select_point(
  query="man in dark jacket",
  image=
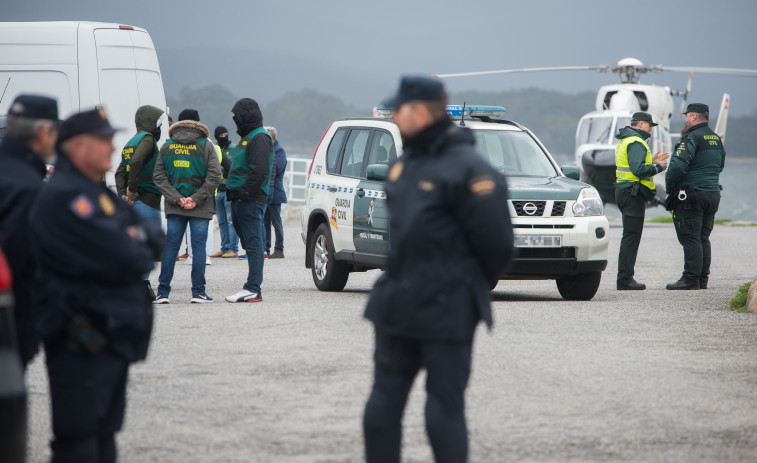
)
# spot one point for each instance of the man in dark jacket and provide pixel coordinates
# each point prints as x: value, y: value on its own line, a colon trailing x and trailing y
x: 94, y: 249
x: 693, y: 185
x: 31, y: 132
x: 450, y: 238
x: 247, y: 188
x: 134, y: 181
x: 635, y: 168
x: 277, y: 197
x: 187, y: 173
x: 229, y: 238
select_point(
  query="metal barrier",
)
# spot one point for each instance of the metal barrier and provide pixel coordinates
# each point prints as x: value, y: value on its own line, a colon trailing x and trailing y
x: 295, y: 183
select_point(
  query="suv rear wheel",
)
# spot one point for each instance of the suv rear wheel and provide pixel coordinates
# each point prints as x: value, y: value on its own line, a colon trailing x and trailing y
x: 328, y: 274
x: 581, y: 287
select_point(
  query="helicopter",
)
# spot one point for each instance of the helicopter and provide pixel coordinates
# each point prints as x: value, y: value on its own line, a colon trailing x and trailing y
x: 614, y: 106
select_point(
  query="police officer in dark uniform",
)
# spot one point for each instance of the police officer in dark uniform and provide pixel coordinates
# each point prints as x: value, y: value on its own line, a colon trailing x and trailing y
x: 31, y: 132
x: 635, y: 168
x: 94, y: 249
x: 450, y: 239
x: 693, y: 186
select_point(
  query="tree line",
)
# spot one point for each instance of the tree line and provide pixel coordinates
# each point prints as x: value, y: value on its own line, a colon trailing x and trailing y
x: 302, y: 116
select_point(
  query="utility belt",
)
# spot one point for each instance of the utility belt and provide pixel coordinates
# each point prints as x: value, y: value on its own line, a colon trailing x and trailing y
x: 637, y: 188
x: 686, y: 196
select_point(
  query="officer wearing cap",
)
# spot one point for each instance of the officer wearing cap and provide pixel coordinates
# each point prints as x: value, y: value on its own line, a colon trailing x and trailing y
x: 450, y: 239
x: 29, y: 142
x: 94, y: 249
x: 635, y: 168
x: 693, y: 186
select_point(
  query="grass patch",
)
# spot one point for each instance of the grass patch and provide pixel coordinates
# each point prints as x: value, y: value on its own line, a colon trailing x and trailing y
x: 661, y: 219
x: 738, y: 303
x: 722, y: 221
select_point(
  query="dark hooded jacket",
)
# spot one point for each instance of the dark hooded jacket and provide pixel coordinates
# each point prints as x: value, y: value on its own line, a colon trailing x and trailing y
x: 450, y: 238
x: 146, y: 120
x: 248, y: 117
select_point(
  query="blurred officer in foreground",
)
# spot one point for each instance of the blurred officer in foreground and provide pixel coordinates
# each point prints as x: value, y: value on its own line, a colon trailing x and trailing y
x: 94, y: 249
x: 29, y: 142
x: 450, y: 238
x: 693, y: 186
x: 134, y: 174
x: 635, y: 168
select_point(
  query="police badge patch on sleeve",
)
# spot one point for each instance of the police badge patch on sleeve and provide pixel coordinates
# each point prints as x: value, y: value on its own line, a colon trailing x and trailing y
x: 483, y: 185
x: 82, y: 207
x: 106, y: 205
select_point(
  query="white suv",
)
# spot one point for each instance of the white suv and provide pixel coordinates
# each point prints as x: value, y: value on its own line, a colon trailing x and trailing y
x: 560, y: 229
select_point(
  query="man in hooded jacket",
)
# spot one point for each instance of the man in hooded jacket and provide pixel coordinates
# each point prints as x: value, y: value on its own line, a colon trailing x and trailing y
x: 187, y: 172
x: 134, y: 181
x: 247, y: 188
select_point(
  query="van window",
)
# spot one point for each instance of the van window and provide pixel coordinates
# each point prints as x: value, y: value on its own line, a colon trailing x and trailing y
x: 382, y: 149
x: 54, y: 84
x: 354, y: 153
x: 332, y: 155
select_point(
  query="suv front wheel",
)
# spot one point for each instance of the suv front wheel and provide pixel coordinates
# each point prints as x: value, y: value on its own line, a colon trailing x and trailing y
x: 581, y: 287
x: 328, y: 274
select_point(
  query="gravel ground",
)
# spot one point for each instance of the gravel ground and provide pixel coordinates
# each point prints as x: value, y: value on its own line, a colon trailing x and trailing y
x: 642, y: 376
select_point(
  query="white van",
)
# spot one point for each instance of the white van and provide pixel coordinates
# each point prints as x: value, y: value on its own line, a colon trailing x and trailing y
x: 83, y: 65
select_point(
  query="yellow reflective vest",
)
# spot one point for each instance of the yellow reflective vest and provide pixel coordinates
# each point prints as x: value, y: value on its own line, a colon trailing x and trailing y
x: 622, y: 169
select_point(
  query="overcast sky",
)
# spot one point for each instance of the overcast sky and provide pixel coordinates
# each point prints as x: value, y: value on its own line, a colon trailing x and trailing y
x: 368, y: 45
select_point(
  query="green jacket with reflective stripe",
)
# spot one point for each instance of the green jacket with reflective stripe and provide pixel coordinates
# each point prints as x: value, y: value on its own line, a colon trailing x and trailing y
x: 240, y: 166
x: 145, y: 176
x: 633, y: 159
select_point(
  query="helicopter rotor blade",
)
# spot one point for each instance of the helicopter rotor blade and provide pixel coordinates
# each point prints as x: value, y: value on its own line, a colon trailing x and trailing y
x: 510, y: 71
x: 731, y: 71
x: 686, y: 94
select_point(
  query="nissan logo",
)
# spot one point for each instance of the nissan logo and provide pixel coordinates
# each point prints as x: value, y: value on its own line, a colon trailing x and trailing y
x: 530, y: 208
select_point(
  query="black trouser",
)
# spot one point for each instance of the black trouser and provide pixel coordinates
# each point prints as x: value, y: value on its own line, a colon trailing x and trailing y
x: 632, y: 208
x: 693, y: 221
x: 398, y: 361
x: 88, y: 396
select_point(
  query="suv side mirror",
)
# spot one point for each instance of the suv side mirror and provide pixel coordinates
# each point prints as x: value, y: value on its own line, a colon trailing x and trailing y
x: 571, y: 172
x: 377, y: 172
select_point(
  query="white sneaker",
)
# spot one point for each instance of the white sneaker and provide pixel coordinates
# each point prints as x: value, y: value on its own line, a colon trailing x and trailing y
x: 208, y: 261
x: 160, y: 299
x: 244, y: 296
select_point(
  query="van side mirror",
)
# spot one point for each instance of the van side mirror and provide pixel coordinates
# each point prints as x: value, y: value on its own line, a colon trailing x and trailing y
x: 377, y: 172
x: 571, y: 172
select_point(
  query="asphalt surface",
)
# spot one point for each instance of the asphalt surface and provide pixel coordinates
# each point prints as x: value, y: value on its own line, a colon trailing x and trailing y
x: 629, y: 376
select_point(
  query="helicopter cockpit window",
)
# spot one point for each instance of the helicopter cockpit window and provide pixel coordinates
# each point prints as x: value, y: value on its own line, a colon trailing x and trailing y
x: 595, y: 130
x: 514, y: 153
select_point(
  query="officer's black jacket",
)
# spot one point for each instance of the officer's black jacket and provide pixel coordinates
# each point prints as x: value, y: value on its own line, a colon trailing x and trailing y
x: 259, y: 149
x: 22, y: 172
x: 450, y: 237
x: 95, y: 267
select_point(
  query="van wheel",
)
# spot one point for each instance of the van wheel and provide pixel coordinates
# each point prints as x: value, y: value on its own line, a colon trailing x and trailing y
x: 328, y: 274
x: 581, y: 287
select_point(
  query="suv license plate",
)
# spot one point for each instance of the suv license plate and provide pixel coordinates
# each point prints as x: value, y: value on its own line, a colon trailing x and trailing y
x: 538, y: 241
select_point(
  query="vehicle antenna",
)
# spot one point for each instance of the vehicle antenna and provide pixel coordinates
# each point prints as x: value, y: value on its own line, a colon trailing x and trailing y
x: 462, y: 116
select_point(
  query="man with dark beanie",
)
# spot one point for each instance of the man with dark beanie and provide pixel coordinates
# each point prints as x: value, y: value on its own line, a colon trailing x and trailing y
x: 247, y: 189
x: 229, y: 237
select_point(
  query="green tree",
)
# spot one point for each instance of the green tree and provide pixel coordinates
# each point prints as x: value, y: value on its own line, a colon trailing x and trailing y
x: 213, y: 102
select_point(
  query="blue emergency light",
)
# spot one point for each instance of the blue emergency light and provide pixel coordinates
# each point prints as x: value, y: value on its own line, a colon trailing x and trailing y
x: 456, y: 111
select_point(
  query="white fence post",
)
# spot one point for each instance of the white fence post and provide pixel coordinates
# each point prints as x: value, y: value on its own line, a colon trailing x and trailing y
x: 295, y: 183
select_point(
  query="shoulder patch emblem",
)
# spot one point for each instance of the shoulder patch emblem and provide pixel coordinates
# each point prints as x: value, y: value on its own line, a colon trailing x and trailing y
x: 82, y: 207
x: 106, y: 204
x: 244, y: 142
x: 483, y: 185
x: 396, y: 171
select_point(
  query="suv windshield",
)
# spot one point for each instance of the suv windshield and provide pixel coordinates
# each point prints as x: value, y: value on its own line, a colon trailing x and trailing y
x: 514, y: 153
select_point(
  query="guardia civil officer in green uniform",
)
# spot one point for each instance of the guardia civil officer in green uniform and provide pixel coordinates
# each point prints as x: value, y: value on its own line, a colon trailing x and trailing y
x: 635, y: 168
x: 693, y: 186
x: 134, y: 181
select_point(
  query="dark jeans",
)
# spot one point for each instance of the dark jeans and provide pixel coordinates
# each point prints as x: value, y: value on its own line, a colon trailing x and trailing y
x: 273, y: 217
x: 632, y: 208
x: 248, y: 222
x: 88, y: 398
x: 176, y: 225
x: 693, y: 221
x: 229, y: 239
x: 397, y: 362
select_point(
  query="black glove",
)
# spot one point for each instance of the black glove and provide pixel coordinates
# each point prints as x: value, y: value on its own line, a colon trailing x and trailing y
x: 232, y: 195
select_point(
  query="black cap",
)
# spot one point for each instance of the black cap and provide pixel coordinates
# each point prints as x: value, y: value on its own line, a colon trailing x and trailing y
x: 219, y: 130
x: 700, y: 108
x: 417, y: 88
x: 34, y: 106
x: 189, y: 115
x: 643, y: 117
x: 92, y: 122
